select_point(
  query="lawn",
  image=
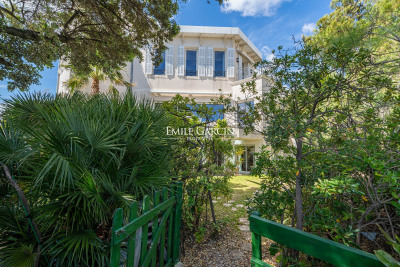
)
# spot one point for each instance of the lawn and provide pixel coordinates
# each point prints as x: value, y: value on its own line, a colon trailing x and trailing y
x: 243, y: 187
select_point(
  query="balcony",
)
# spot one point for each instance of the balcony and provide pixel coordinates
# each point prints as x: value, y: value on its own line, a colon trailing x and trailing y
x: 159, y: 71
x: 219, y: 73
x: 244, y: 73
x: 191, y: 72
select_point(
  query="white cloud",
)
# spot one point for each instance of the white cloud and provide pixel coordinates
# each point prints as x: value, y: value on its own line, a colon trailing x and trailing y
x: 3, y: 86
x: 308, y: 28
x: 266, y: 51
x: 252, y: 7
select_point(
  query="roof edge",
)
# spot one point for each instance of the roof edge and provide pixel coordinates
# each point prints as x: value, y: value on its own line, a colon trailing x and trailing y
x: 220, y: 30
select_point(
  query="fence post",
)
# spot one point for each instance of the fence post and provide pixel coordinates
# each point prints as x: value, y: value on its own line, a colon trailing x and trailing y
x: 116, y: 248
x: 255, y: 242
x: 177, y: 222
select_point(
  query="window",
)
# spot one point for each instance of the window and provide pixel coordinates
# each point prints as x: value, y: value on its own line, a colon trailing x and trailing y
x: 217, y: 113
x: 243, y: 109
x: 246, y: 159
x: 160, y: 69
x: 219, y: 68
x: 191, y: 63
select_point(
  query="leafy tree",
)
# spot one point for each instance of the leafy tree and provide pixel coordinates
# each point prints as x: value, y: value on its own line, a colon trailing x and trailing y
x: 85, y: 33
x: 310, y: 112
x: 202, y: 161
x: 368, y: 24
x: 330, y: 120
x: 76, y: 158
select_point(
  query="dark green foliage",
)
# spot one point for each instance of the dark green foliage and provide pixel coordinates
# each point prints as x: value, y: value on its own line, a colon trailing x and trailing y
x: 330, y: 120
x: 78, y: 158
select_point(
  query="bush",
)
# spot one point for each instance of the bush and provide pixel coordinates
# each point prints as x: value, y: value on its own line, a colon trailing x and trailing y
x: 77, y: 158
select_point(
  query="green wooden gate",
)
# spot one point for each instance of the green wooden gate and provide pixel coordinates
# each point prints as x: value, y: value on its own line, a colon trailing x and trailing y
x: 313, y: 245
x: 131, y: 244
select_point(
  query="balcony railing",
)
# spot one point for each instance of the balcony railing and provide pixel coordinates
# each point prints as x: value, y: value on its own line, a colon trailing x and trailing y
x: 219, y: 73
x: 159, y: 71
x: 244, y: 73
x: 191, y: 72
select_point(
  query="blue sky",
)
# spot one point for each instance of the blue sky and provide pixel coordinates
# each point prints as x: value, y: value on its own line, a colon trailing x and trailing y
x: 267, y: 23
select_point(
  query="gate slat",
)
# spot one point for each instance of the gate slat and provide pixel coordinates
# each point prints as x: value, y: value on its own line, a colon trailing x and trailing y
x: 162, y: 243
x: 154, y: 229
x: 145, y: 230
x: 157, y: 236
x: 116, y: 247
x: 177, y: 223
x: 133, y: 209
x: 142, y: 220
x: 164, y: 246
x: 169, y: 241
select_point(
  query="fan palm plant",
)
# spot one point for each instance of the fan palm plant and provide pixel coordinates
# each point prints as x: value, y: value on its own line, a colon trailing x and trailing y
x: 78, y: 158
x: 97, y: 74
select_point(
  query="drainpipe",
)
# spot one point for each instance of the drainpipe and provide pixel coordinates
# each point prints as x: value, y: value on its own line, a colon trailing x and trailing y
x: 131, y: 77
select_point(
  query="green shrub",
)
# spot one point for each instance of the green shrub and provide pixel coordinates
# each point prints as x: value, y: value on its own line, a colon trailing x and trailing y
x: 78, y: 158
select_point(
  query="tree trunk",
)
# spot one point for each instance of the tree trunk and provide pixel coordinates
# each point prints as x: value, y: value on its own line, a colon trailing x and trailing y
x: 211, y: 207
x: 26, y: 205
x: 298, y: 197
x: 299, y: 204
x: 95, y: 86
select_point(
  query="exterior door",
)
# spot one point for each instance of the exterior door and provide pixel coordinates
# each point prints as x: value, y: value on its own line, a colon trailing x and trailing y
x: 247, y: 159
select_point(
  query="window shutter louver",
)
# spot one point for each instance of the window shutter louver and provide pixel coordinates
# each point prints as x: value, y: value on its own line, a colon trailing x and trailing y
x: 169, y: 60
x: 230, y: 63
x: 210, y: 62
x: 181, y: 61
x: 202, y: 61
x: 148, y: 68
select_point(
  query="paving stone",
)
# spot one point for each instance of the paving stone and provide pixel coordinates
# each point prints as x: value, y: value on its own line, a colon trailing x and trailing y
x: 245, y: 228
x: 214, y: 201
x: 246, y: 246
x: 239, y: 206
x: 237, y: 255
x: 231, y: 201
x: 226, y: 204
x: 218, y: 197
x: 234, y: 209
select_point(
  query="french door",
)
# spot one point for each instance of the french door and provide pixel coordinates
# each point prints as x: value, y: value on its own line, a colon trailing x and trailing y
x: 247, y: 159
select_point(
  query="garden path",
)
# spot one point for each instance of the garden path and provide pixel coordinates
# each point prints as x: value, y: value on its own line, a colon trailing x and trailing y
x: 232, y: 245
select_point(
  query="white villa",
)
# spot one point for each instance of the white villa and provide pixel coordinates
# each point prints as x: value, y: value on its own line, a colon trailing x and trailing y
x: 199, y: 62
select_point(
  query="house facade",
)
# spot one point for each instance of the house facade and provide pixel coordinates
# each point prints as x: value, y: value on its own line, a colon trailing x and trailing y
x: 201, y: 62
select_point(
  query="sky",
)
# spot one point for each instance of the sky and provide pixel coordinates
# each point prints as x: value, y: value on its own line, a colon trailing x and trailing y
x: 267, y: 23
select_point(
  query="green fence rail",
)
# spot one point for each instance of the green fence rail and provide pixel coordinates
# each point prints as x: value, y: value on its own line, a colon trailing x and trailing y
x: 133, y: 244
x: 313, y: 245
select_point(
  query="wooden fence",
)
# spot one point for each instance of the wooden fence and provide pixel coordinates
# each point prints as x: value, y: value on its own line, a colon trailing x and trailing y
x: 151, y: 238
x: 313, y: 245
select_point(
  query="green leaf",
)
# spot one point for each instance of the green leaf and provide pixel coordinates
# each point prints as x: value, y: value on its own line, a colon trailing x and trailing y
x: 274, y: 249
x: 386, y: 259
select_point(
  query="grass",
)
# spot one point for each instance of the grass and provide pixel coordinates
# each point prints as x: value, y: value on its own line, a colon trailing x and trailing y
x: 243, y: 187
x: 224, y: 245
